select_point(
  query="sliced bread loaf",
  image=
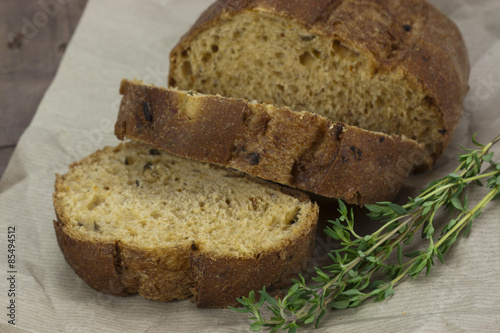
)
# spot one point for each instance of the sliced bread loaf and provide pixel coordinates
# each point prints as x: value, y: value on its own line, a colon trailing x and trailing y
x: 398, y: 67
x: 298, y: 149
x: 132, y: 219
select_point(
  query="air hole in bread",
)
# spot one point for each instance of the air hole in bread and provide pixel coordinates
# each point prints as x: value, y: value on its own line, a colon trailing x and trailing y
x: 306, y: 59
x: 96, y: 200
x: 206, y: 57
x: 185, y: 53
x: 379, y: 102
x: 186, y: 69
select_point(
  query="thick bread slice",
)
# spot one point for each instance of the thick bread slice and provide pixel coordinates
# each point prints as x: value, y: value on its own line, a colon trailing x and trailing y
x: 298, y: 149
x: 398, y: 67
x: 132, y: 219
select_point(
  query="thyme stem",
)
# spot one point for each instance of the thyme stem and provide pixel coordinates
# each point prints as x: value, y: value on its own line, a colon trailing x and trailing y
x: 348, y: 282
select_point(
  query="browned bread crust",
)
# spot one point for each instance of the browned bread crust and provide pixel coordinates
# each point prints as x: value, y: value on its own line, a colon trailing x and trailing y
x: 208, y: 280
x: 112, y: 265
x: 408, y: 37
x: 298, y: 149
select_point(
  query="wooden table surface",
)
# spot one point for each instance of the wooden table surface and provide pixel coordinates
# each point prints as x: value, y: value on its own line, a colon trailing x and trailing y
x: 34, y: 38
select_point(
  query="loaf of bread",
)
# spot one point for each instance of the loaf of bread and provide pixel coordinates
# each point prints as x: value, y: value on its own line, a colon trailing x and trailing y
x: 297, y: 149
x: 132, y: 219
x: 398, y: 67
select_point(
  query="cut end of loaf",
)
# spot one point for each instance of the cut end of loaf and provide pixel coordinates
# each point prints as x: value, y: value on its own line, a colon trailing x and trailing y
x: 337, y: 70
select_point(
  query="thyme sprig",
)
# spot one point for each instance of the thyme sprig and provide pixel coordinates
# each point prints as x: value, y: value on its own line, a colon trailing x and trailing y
x: 370, y: 266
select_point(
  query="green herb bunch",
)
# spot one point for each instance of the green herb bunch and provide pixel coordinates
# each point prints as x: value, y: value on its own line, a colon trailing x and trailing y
x: 361, y: 268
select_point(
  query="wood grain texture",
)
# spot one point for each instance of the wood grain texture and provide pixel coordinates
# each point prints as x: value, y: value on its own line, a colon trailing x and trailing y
x: 35, y: 35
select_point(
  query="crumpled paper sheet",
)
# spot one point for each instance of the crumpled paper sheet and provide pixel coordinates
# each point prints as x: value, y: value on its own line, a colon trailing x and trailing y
x: 132, y: 38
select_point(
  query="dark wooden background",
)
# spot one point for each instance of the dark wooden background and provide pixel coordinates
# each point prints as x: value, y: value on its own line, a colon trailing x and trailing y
x: 33, y: 40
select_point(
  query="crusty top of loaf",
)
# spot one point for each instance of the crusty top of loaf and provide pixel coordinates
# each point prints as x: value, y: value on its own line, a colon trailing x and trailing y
x: 409, y: 36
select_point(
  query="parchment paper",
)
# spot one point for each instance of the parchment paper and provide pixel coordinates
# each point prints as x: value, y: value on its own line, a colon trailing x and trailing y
x: 132, y: 38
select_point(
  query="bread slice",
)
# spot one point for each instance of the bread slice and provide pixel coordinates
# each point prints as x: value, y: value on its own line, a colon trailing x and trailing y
x: 297, y: 149
x: 132, y: 219
x: 398, y: 67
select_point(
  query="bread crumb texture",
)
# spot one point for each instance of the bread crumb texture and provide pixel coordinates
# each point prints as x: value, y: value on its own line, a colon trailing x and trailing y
x: 348, y: 68
x: 149, y: 199
x: 304, y: 72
